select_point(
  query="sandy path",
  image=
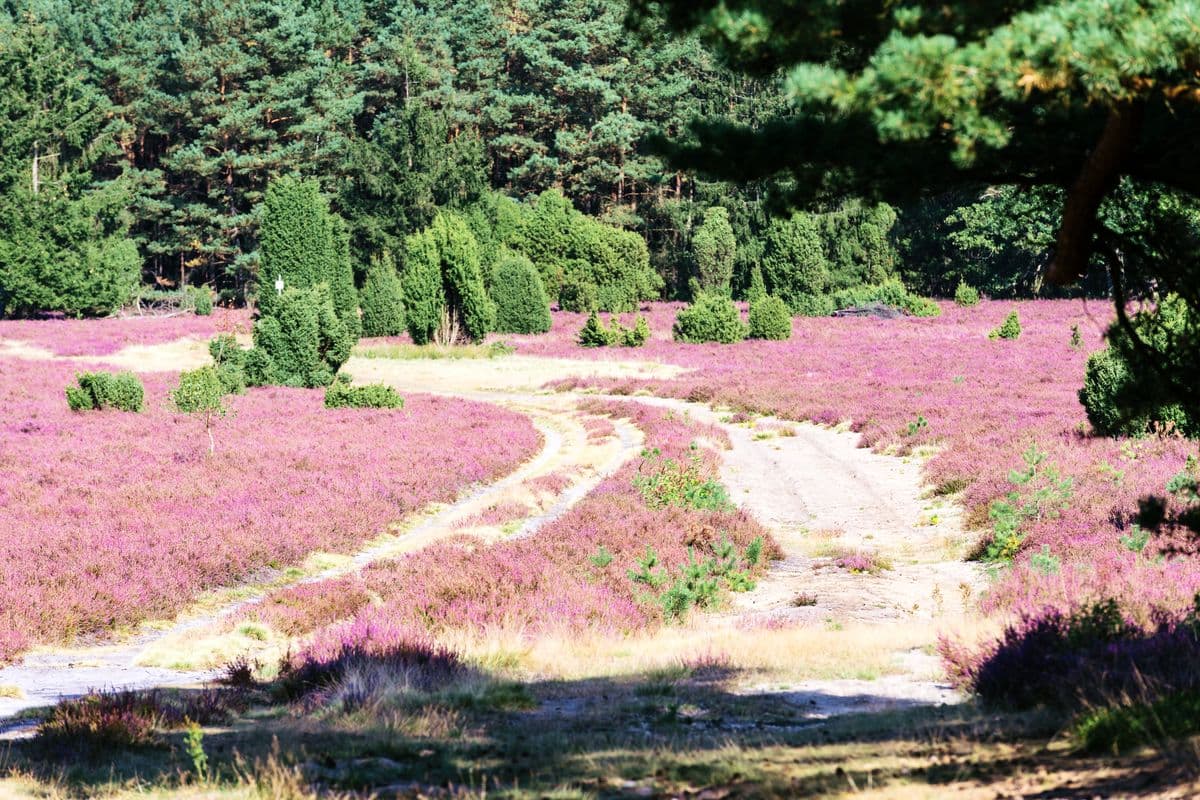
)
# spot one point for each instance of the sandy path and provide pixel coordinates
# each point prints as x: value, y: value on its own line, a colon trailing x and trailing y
x: 816, y: 490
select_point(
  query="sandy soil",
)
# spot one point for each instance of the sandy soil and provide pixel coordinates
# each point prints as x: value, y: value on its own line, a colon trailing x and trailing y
x: 818, y: 492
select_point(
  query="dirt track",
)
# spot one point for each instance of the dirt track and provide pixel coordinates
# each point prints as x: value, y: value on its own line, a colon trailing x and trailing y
x: 819, y: 493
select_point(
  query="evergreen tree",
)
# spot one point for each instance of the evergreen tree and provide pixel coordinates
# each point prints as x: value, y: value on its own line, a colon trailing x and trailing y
x: 341, y: 278
x: 382, y: 298
x: 519, y: 296
x: 298, y: 248
x: 794, y: 265
x: 424, y: 296
x: 1070, y: 93
x: 715, y: 249
x: 467, y: 302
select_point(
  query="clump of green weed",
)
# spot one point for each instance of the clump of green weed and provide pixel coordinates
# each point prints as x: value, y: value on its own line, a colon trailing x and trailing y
x: 666, y: 482
x: 1039, y: 492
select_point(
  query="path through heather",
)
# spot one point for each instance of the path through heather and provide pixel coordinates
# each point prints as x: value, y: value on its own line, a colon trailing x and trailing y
x: 822, y: 497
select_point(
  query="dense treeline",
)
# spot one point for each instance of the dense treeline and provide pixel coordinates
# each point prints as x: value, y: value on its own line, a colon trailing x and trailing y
x: 139, y: 141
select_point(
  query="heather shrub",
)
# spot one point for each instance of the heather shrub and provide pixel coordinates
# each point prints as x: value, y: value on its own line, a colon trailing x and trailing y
x: 99, y: 390
x: 302, y: 343
x: 343, y: 395
x: 522, y: 305
x: 711, y: 318
x: 382, y: 298
x: 355, y: 661
x: 105, y: 720
x: 1009, y: 329
x: 1088, y: 657
x: 770, y: 318
x: 966, y: 295
x: 1124, y: 391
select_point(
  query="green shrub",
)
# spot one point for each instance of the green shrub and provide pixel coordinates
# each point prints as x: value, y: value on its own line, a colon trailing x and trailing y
x: 341, y: 279
x: 892, y: 293
x: 1009, y: 329
x: 966, y: 295
x: 200, y: 392
x: 1123, y: 392
x: 522, y: 305
x: 202, y: 301
x: 666, y: 482
x: 302, y: 343
x: 595, y: 334
x: 466, y: 299
x: 1174, y: 716
x: 343, y: 395
x: 770, y: 318
x: 68, y: 254
x: 813, y: 305
x: 382, y: 298
x: 565, y: 244
x: 424, y: 297
x: 578, y: 293
x: 296, y: 236
x: 638, y: 335
x: 757, y: 288
x: 714, y: 248
x: 98, y: 390
x: 794, y: 263
x: 711, y: 318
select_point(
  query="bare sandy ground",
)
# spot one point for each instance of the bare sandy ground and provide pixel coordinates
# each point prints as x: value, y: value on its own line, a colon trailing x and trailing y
x: 818, y: 492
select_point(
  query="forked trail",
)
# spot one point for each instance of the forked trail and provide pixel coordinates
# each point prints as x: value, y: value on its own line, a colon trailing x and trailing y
x: 822, y: 497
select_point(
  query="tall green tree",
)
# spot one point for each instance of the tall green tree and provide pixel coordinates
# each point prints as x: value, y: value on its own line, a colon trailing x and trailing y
x: 715, y: 249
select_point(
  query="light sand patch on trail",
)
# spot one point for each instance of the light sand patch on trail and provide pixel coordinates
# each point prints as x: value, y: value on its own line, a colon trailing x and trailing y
x: 181, y: 354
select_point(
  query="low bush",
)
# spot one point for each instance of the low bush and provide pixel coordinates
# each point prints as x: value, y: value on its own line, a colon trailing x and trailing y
x: 1127, y: 725
x: 1124, y: 392
x: 382, y: 299
x: 595, y: 333
x: 1080, y: 659
x: 302, y: 343
x: 891, y: 293
x: 98, y: 390
x: 814, y: 305
x: 200, y: 392
x: 697, y: 583
x: 522, y: 305
x: 125, y: 719
x: 668, y: 482
x: 229, y: 358
x: 770, y: 318
x: 1039, y: 492
x: 578, y: 294
x: 966, y: 295
x: 1009, y: 329
x: 202, y: 300
x: 343, y: 395
x: 711, y: 318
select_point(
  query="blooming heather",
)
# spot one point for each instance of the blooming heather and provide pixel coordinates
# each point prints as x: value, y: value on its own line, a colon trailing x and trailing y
x: 107, y: 519
x: 101, y: 337
x: 547, y: 582
x: 983, y: 403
